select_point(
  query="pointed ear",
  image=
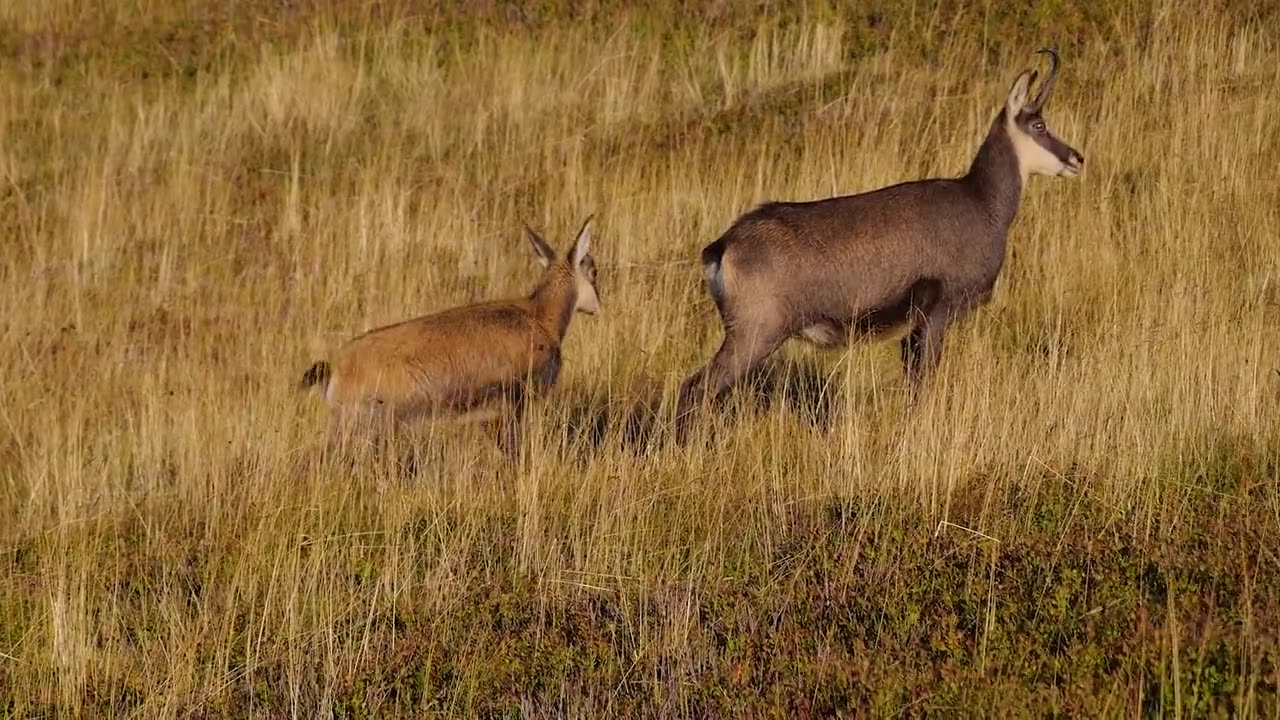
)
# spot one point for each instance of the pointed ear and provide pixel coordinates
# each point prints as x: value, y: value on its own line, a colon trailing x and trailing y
x: 1018, y: 93
x: 546, y: 255
x: 582, y: 245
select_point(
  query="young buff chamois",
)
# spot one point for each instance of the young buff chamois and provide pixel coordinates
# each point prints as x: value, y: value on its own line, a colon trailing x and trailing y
x: 479, y: 360
x: 914, y: 256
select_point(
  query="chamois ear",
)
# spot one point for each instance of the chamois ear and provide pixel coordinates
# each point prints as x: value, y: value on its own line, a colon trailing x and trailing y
x: 546, y: 255
x: 1018, y: 93
x: 582, y: 245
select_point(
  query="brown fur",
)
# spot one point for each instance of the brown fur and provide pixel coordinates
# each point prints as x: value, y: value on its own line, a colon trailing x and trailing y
x: 911, y: 257
x: 476, y: 361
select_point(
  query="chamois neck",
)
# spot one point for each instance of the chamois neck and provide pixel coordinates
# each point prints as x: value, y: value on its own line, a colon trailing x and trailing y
x: 554, y: 300
x: 995, y: 174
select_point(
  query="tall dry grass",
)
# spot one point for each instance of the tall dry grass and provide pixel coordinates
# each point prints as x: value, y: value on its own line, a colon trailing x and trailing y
x: 179, y: 248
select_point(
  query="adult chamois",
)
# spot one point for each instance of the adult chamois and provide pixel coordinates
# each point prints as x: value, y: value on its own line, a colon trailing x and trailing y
x: 480, y: 361
x: 914, y: 256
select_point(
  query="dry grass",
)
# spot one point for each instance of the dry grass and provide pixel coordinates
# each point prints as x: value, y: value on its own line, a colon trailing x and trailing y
x: 1096, y: 469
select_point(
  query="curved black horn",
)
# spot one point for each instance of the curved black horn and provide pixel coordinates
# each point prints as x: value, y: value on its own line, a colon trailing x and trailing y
x: 1047, y: 87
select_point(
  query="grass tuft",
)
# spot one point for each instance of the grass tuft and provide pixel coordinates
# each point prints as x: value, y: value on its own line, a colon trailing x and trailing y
x: 198, y: 200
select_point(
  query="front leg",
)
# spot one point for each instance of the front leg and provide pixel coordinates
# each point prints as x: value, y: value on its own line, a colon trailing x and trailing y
x: 511, y: 425
x: 922, y: 350
x: 548, y: 372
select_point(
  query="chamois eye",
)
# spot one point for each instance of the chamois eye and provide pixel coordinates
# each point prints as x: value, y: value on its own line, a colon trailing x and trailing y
x: 1038, y: 126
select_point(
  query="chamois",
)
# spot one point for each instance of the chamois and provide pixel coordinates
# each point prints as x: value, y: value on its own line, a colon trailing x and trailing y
x: 914, y: 256
x: 477, y: 361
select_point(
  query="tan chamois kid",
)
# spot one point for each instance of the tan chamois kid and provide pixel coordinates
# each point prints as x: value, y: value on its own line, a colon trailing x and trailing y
x: 480, y: 361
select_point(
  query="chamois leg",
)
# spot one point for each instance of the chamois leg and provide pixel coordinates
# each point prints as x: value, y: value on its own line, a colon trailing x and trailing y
x: 349, y: 428
x: 739, y: 353
x: 511, y: 426
x: 356, y: 434
x: 922, y: 351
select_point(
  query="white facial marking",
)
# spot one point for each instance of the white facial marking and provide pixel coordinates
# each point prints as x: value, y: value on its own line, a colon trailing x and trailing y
x: 1033, y: 158
x: 588, y: 300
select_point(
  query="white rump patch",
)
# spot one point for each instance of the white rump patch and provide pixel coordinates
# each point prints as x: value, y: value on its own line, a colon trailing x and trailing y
x: 715, y: 281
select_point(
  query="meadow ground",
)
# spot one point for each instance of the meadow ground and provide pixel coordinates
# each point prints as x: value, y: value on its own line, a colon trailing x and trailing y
x: 198, y: 199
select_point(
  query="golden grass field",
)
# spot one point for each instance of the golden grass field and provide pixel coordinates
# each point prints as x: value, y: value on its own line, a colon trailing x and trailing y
x: 1083, y: 517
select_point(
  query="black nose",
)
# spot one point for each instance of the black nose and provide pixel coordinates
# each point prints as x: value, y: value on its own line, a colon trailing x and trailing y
x: 1079, y: 157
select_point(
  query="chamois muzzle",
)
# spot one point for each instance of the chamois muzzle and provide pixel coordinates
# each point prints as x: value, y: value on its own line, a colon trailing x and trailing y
x: 1074, y: 164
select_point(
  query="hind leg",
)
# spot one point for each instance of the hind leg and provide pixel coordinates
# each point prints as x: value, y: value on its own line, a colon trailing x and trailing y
x: 343, y: 431
x: 740, y: 352
x: 358, y: 427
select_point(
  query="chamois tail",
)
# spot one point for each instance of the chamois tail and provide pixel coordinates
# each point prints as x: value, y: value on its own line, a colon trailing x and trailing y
x: 711, y: 265
x: 317, y: 374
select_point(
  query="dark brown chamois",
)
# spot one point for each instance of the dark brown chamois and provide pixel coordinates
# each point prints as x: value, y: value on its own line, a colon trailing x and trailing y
x: 914, y: 256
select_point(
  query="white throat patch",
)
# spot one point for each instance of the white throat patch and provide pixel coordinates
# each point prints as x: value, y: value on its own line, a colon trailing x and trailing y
x: 1033, y: 158
x: 588, y: 299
